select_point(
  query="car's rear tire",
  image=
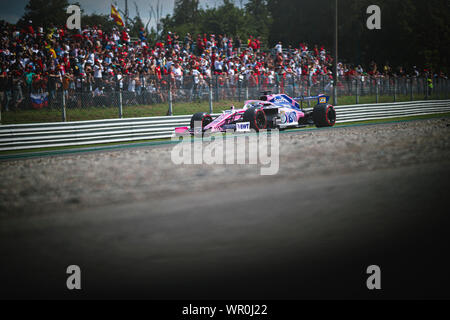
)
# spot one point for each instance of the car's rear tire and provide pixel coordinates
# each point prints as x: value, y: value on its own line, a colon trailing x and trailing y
x: 257, y: 118
x: 324, y: 116
x: 202, y: 117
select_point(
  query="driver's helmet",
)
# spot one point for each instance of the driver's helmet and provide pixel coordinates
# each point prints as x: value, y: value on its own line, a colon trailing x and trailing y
x: 249, y: 105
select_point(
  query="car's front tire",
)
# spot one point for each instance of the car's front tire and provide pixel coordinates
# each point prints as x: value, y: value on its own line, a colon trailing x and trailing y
x: 257, y: 118
x: 202, y: 117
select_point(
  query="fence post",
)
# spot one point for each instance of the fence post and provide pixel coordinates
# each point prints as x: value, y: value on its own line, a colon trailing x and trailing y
x: 335, y: 92
x: 293, y: 86
x: 376, y: 91
x: 417, y: 87
x: 446, y: 89
x: 411, y: 89
x: 246, y: 89
x: 440, y: 88
x: 170, y: 99
x: 239, y: 89
x: 64, y: 117
x: 217, y: 88
x: 434, y: 92
x: 436, y: 85
x: 395, y: 90
x: 210, y: 99
x: 443, y: 88
x: 309, y: 95
x: 120, y: 104
x: 357, y: 94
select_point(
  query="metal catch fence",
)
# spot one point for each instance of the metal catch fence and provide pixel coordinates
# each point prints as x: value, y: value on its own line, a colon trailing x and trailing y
x: 85, y: 98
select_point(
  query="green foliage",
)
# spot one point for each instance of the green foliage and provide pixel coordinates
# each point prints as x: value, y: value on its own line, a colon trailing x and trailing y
x: 432, y: 33
x: 185, y: 11
x: 45, y: 12
x: 258, y: 18
x: 227, y: 18
x: 136, y: 26
x: 97, y: 20
x: 413, y: 32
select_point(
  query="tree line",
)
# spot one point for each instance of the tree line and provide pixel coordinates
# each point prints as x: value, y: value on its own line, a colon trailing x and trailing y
x: 413, y: 32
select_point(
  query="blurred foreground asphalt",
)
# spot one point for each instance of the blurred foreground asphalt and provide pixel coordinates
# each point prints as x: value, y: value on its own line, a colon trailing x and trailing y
x: 308, y: 237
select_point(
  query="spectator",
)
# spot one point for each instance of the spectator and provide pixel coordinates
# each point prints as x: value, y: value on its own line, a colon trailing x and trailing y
x: 279, y: 48
x: 98, y: 74
x: 92, y: 62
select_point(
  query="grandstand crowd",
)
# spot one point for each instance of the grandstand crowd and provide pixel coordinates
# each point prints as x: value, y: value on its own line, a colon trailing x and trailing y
x: 93, y: 62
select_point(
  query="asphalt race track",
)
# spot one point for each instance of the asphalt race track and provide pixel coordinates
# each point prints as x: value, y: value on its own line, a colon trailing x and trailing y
x: 141, y: 227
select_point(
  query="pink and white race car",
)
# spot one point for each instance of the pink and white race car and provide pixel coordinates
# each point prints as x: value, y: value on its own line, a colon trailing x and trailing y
x: 277, y: 111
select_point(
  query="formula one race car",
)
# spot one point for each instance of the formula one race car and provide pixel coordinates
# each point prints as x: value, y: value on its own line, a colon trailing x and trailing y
x: 277, y: 111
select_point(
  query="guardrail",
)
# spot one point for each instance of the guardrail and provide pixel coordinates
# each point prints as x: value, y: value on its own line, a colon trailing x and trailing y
x: 42, y: 135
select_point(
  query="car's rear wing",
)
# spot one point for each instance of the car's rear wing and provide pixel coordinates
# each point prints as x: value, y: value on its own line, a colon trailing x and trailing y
x: 321, y: 99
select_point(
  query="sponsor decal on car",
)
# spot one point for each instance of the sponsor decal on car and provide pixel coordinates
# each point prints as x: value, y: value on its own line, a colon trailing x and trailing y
x: 288, y: 117
x: 243, y: 127
x: 292, y: 117
x: 280, y: 99
x: 283, y: 117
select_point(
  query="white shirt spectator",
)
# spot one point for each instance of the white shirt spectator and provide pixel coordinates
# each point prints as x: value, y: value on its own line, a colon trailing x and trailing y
x: 196, y: 75
x: 120, y: 80
x: 116, y: 36
x: 178, y: 73
x: 98, y: 69
x: 279, y: 48
x: 91, y: 58
x: 132, y: 85
x: 98, y: 92
x: 231, y: 74
x: 218, y: 65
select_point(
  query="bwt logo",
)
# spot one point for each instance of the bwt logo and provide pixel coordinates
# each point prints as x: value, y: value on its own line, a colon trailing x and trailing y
x: 74, y: 21
x: 243, y: 127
